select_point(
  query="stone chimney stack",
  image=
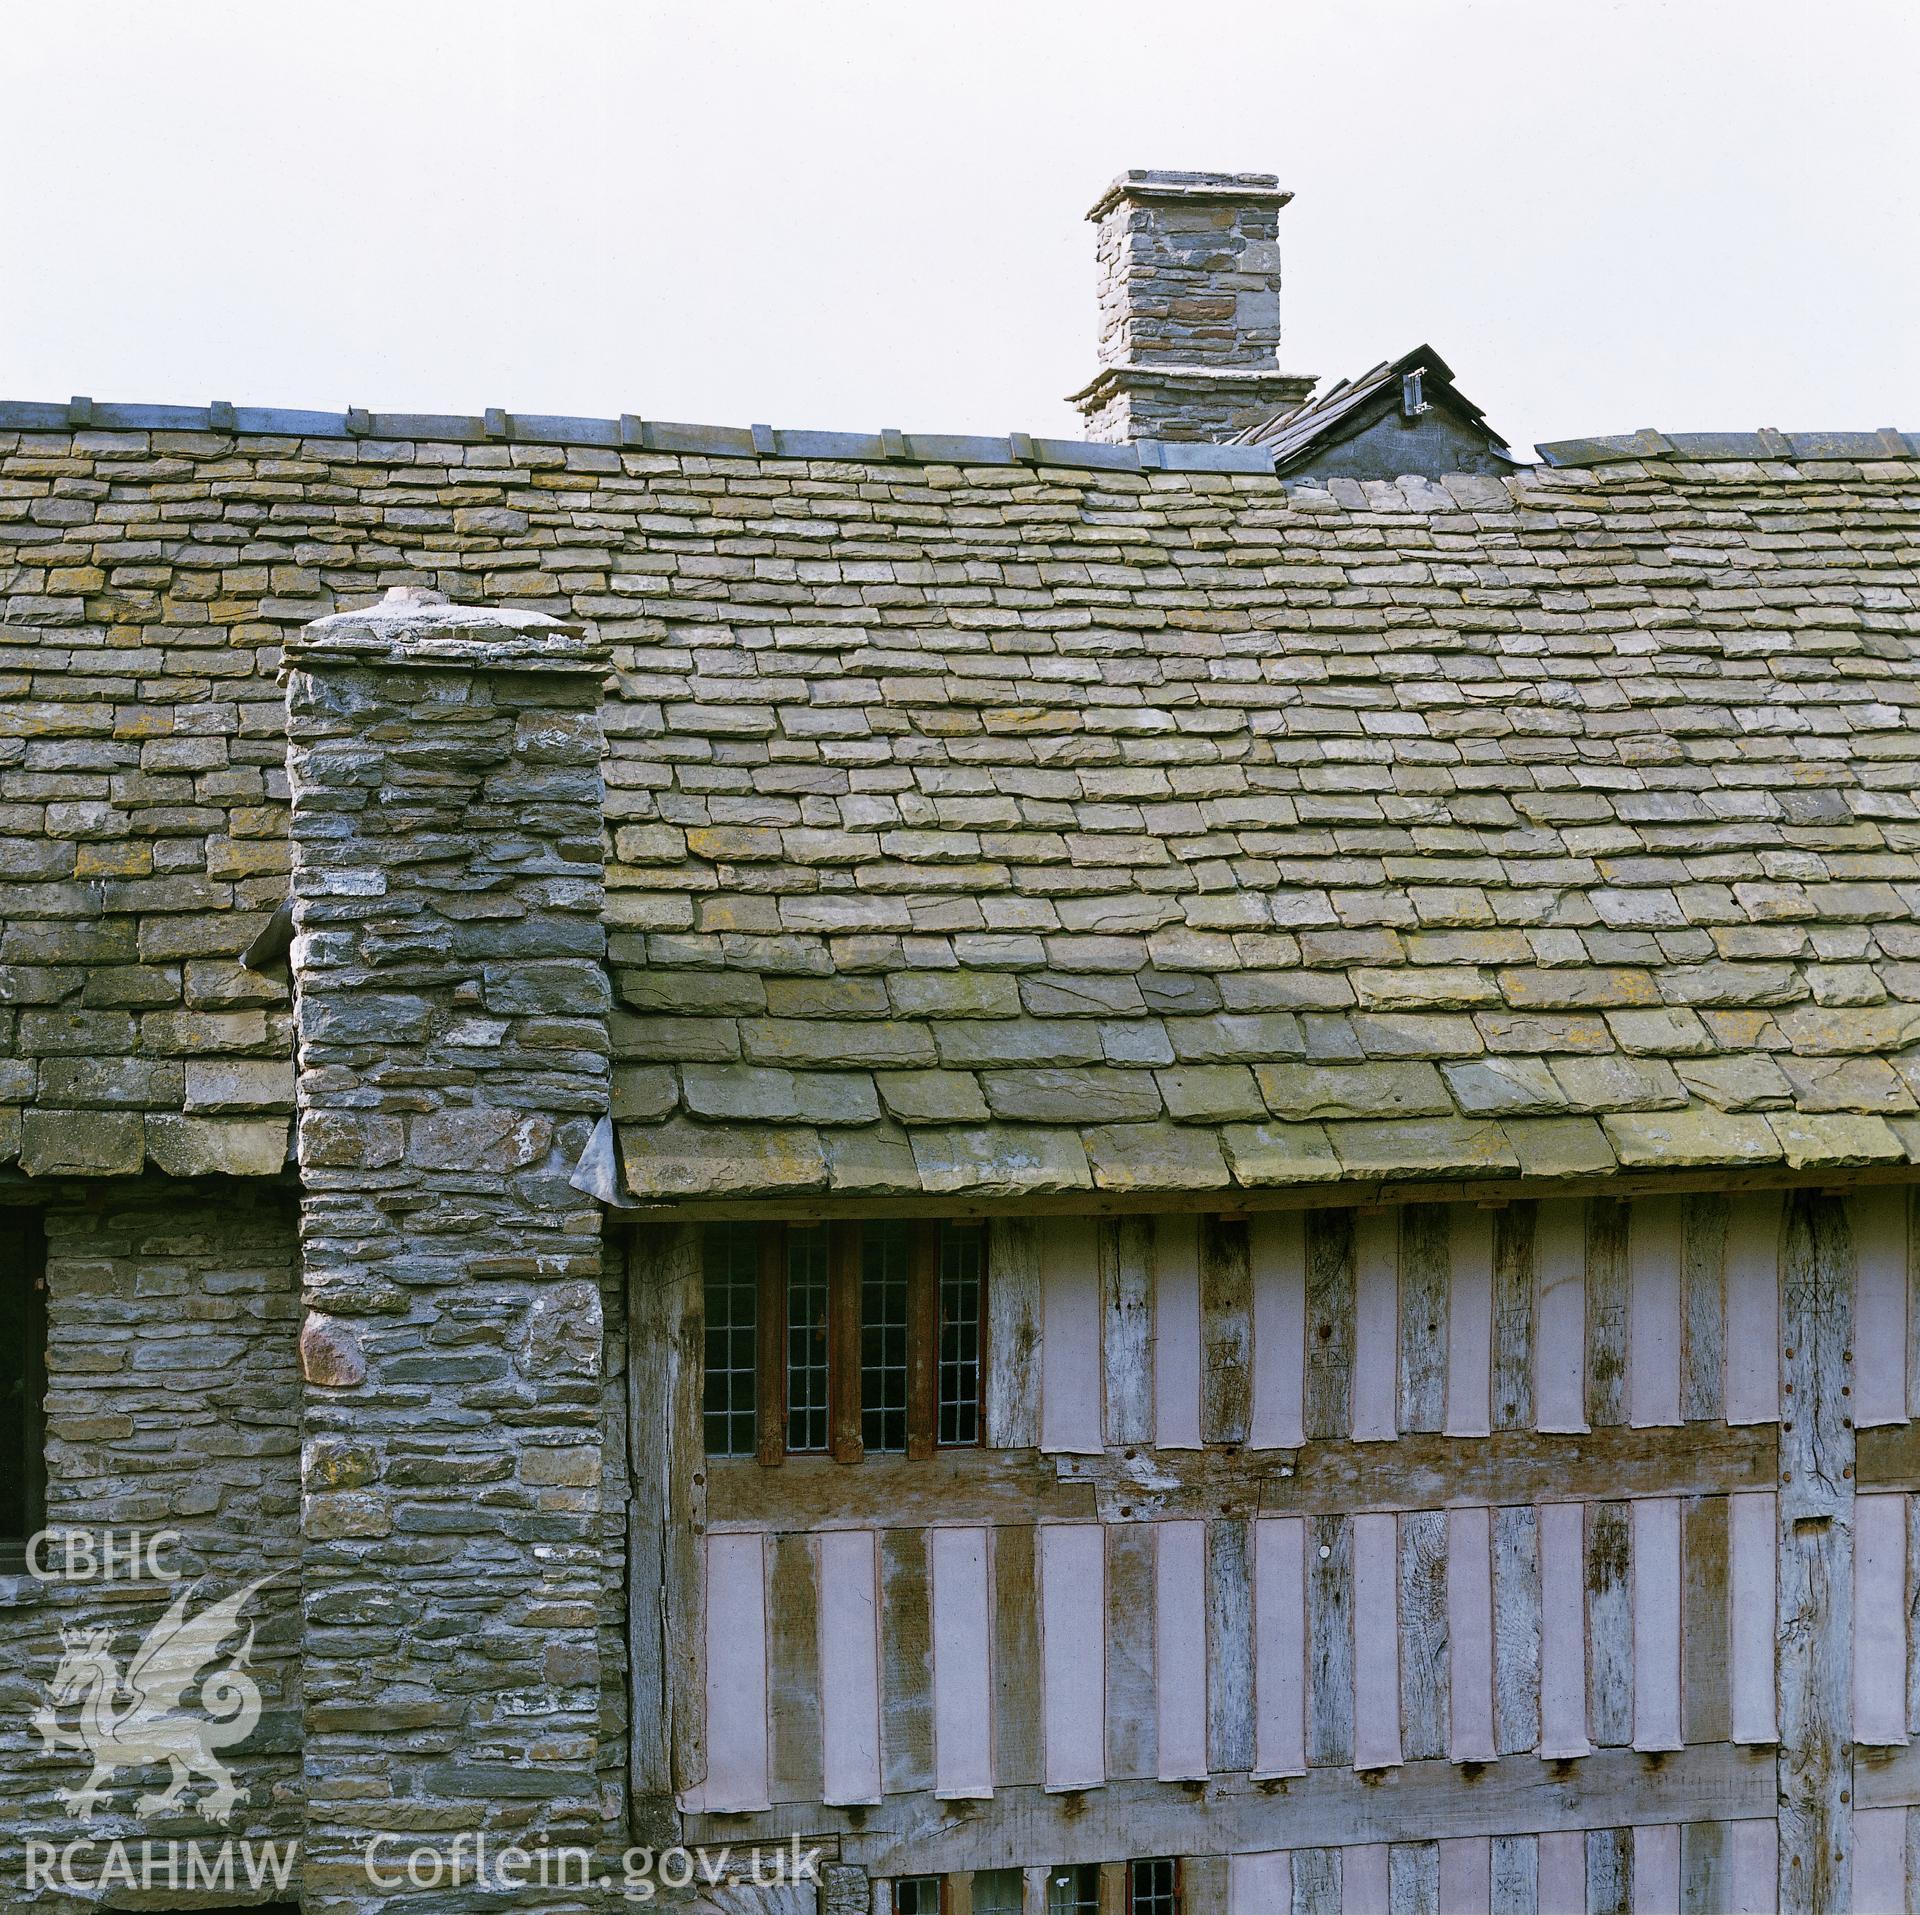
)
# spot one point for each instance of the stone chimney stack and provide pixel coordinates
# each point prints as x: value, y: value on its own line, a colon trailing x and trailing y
x: 450, y: 1010
x: 1189, y: 308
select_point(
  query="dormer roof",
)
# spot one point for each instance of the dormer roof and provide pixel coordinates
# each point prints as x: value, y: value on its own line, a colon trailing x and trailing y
x: 1403, y: 416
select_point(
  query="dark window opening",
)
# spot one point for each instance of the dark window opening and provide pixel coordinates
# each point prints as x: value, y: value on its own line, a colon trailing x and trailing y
x: 998, y: 1891
x: 23, y: 1385
x: 807, y: 1347
x: 884, y: 1251
x: 1153, y: 1886
x: 732, y: 1271
x: 1074, y: 1891
x: 918, y: 1895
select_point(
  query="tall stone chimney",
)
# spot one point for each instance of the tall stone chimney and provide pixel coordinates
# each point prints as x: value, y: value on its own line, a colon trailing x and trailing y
x: 1189, y: 308
x: 451, y: 1010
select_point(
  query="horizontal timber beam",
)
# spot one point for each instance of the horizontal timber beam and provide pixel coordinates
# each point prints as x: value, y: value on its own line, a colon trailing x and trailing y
x: 1007, y: 1487
x: 1886, y: 1778
x: 1430, y: 1472
x: 1889, y: 1457
x: 1325, y: 1808
x: 968, y: 1487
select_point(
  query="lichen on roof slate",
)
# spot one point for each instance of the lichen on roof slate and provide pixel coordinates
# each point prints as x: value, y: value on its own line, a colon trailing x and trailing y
x: 1101, y: 836
x: 1031, y: 829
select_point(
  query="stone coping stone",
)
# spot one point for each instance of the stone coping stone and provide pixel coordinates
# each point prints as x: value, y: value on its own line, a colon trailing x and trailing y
x: 411, y: 626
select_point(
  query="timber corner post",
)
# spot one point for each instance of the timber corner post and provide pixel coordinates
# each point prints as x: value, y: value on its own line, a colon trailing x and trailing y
x: 1815, y: 1560
x: 451, y: 1011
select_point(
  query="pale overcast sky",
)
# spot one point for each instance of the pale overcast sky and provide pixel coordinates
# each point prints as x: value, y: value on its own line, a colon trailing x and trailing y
x: 830, y: 213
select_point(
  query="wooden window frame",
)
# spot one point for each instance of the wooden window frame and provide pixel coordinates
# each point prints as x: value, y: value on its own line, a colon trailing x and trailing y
x: 845, y: 1442
x: 980, y: 1330
x: 702, y: 1339
x: 23, y: 1260
x: 1105, y: 1874
x: 1179, y: 1881
x: 972, y: 1876
x: 943, y: 1884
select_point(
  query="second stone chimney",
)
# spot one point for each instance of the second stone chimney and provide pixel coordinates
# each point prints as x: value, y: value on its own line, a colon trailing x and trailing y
x: 1189, y: 308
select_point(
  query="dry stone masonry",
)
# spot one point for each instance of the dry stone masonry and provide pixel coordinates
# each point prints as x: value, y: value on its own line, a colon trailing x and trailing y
x: 444, y: 767
x: 172, y: 1407
x: 1189, y: 308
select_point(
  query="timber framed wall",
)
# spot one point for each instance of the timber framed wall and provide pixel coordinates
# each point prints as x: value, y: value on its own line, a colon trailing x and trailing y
x: 1359, y: 1557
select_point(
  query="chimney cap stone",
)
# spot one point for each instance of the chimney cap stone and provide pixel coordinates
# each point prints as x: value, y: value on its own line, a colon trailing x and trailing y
x: 1141, y: 182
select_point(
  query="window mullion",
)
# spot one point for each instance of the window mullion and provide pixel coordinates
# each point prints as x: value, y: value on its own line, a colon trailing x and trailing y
x: 923, y: 1338
x: 843, y: 1340
x: 770, y: 1345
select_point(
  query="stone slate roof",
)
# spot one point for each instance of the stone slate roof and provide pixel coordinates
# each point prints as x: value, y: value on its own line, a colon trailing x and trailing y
x: 1030, y: 826
x: 1157, y: 837
x: 1344, y: 409
x: 1820, y: 448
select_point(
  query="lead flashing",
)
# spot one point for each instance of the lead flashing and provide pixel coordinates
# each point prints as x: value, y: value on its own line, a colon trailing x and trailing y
x: 630, y: 433
x: 633, y: 434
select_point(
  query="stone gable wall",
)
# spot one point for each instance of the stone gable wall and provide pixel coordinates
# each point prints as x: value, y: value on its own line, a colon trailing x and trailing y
x: 173, y: 1403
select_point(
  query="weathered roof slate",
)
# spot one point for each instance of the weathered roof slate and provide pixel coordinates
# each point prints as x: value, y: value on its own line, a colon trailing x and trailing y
x: 983, y: 828
x: 1166, y: 838
x: 1889, y: 442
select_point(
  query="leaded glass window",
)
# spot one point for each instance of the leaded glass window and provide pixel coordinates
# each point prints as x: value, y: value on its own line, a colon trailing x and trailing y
x: 732, y: 1260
